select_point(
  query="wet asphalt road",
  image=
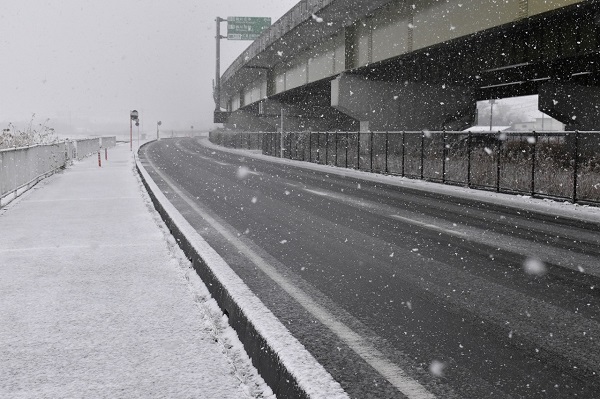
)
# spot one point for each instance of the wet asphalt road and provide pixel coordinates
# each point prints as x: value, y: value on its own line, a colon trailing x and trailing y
x: 435, y: 284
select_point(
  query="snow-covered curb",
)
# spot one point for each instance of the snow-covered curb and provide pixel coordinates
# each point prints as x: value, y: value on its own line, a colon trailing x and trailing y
x: 286, y: 366
x: 521, y: 202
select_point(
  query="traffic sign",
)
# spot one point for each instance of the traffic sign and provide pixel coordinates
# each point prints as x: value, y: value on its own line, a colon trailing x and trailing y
x: 246, y: 28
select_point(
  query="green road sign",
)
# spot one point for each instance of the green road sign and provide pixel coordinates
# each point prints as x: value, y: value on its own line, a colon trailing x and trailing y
x: 246, y: 28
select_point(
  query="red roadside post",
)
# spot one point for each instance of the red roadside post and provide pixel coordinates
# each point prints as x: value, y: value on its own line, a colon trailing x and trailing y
x: 99, y: 159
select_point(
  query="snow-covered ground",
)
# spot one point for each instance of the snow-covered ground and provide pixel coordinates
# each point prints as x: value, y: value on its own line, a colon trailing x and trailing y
x: 97, y: 300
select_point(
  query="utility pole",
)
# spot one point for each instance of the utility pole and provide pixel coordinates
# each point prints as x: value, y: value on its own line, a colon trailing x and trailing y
x: 492, y: 102
x: 218, y: 37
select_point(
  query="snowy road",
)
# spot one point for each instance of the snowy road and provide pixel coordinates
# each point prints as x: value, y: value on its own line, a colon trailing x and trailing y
x: 400, y: 292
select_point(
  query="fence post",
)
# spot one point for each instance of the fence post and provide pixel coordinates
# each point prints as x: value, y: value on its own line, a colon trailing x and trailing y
x: 575, y: 166
x: 371, y: 145
x: 469, y: 160
x: 326, y: 148
x: 498, y: 154
x: 444, y: 157
x: 422, y: 153
x: 336, y: 148
x: 386, y: 152
x: 318, y: 147
x: 346, y: 145
x: 358, y: 151
x: 310, y: 158
x: 403, y: 152
x: 533, y: 148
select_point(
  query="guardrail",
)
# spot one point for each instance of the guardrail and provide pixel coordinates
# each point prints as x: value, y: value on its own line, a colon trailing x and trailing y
x: 22, y: 168
x: 558, y: 165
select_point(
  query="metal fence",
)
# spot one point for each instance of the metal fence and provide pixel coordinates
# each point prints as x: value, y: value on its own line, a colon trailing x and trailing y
x: 559, y: 165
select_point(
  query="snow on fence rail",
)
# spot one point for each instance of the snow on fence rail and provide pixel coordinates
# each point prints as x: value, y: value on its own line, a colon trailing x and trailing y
x: 22, y: 168
x: 560, y: 165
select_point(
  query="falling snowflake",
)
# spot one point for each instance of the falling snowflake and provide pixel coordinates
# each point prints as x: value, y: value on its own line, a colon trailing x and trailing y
x: 437, y: 368
x: 534, y: 267
x: 242, y: 172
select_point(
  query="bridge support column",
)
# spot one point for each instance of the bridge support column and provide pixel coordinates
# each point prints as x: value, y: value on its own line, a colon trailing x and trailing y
x: 404, y: 106
x: 578, y: 107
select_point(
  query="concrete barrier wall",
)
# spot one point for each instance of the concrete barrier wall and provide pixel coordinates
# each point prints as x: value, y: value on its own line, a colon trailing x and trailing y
x: 86, y: 147
x: 285, y: 365
x: 21, y: 168
x: 108, y: 141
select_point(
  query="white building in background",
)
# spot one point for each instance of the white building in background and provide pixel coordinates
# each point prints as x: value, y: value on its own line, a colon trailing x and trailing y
x: 486, y: 129
x: 545, y: 124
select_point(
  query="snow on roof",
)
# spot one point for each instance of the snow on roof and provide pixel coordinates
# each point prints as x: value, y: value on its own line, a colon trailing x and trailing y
x: 484, y: 129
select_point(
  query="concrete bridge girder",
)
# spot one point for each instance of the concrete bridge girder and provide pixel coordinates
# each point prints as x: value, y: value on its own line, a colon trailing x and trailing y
x: 251, y: 122
x: 577, y: 106
x: 266, y: 117
x: 382, y: 105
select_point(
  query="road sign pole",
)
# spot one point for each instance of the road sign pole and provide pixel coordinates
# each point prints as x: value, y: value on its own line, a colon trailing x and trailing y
x: 218, y: 38
x: 130, y: 133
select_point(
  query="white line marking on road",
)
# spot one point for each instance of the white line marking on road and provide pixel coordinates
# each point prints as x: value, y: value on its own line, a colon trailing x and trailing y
x: 390, y: 371
x: 430, y: 226
x: 544, y: 252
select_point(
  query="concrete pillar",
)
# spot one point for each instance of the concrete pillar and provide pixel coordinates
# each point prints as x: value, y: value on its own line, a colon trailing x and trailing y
x: 403, y: 106
x: 578, y: 107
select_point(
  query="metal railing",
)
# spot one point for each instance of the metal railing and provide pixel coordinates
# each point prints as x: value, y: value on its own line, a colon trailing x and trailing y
x: 559, y: 165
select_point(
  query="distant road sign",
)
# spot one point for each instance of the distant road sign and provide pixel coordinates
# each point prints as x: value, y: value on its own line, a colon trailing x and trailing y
x: 246, y: 28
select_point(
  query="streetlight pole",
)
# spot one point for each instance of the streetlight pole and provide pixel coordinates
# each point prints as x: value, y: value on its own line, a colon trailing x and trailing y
x: 157, y: 132
x: 218, y: 37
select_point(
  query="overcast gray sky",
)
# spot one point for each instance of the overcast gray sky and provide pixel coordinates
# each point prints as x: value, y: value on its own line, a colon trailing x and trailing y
x: 97, y: 59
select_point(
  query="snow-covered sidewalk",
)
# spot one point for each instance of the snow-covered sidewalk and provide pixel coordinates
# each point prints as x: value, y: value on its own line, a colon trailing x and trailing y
x: 97, y: 300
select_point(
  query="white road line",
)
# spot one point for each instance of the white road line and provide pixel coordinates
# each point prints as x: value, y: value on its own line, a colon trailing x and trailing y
x: 390, y: 371
x: 542, y: 251
x: 430, y: 226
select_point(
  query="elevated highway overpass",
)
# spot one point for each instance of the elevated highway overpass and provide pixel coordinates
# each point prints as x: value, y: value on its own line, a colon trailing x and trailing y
x: 411, y: 65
